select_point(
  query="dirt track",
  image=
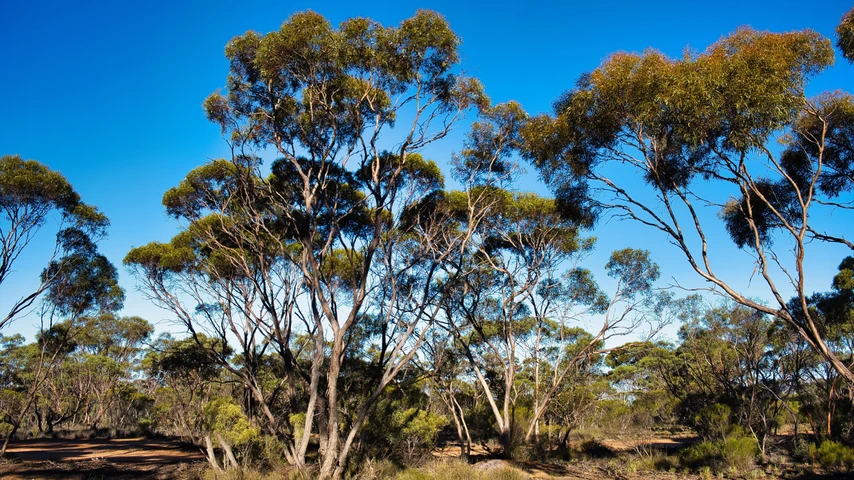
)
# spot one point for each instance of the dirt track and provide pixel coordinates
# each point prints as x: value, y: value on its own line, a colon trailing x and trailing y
x: 95, y: 458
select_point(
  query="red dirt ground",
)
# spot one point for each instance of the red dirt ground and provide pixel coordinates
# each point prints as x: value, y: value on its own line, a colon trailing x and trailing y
x: 127, y: 458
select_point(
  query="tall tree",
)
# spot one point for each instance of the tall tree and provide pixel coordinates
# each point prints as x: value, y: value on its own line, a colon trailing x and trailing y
x: 83, y: 282
x: 30, y: 195
x: 845, y: 35
x: 699, y: 132
x: 338, y: 204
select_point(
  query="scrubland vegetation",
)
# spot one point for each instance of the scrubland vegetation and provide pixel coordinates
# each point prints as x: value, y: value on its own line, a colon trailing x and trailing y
x: 340, y: 313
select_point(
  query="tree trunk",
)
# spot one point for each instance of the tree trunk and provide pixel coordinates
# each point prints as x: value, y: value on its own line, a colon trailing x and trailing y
x: 330, y: 459
x: 302, y: 444
x: 6, y: 440
x: 229, y: 454
x: 211, y: 454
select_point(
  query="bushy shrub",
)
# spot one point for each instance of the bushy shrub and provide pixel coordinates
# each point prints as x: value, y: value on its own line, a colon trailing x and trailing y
x: 738, y: 451
x: 594, y: 448
x: 414, y: 432
x: 655, y: 461
x: 703, y: 454
x: 232, y: 429
x: 225, y: 417
x: 801, y: 449
x: 833, y: 456
x: 713, y: 422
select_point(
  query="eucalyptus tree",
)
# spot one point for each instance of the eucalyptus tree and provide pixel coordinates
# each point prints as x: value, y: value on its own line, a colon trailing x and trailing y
x: 515, y: 248
x: 186, y: 377
x: 845, y: 35
x: 108, y: 348
x: 729, y: 354
x: 447, y: 367
x: 822, y: 386
x: 518, y: 278
x: 83, y: 283
x: 634, y: 308
x: 226, y: 277
x: 31, y: 195
x: 512, y: 242
x: 696, y: 136
x: 346, y: 110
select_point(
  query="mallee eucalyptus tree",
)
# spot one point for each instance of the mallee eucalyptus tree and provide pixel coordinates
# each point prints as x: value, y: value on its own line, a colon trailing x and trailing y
x: 699, y: 131
x: 331, y: 237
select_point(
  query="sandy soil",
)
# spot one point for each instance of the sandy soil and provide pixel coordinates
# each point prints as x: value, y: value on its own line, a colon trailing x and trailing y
x: 96, y: 458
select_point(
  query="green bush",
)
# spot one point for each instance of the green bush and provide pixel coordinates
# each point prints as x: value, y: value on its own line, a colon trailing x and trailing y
x: 735, y: 452
x: 224, y: 416
x: 739, y: 451
x: 713, y: 422
x: 833, y: 455
x: 703, y: 454
x: 801, y: 450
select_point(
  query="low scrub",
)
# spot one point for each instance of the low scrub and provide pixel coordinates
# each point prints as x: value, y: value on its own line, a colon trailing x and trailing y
x: 736, y: 451
x: 456, y: 470
x: 833, y: 456
x: 595, y: 449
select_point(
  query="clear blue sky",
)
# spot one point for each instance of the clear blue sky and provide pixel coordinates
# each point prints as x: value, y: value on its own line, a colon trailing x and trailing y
x: 110, y: 93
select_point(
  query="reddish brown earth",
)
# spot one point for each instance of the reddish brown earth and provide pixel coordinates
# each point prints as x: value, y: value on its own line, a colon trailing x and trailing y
x: 127, y: 458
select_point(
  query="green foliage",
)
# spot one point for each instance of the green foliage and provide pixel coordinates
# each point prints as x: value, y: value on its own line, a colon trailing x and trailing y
x: 703, y: 454
x: 225, y: 417
x: 30, y: 188
x: 634, y: 268
x: 735, y: 451
x: 739, y: 451
x: 358, y: 68
x: 833, y: 455
x: 845, y: 35
x: 418, y: 426
x: 682, y: 98
x: 713, y: 422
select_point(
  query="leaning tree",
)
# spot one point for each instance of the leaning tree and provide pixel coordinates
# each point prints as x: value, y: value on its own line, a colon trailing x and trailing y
x: 680, y: 144
x: 31, y: 196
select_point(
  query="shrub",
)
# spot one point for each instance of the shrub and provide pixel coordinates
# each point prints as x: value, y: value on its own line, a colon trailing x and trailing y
x: 736, y: 451
x: 703, y: 454
x: 739, y: 451
x: 713, y: 422
x: 224, y: 416
x: 833, y: 455
x: 506, y: 473
x: 454, y: 471
x: 413, y: 474
x: 801, y: 450
x: 594, y: 448
x: 413, y: 432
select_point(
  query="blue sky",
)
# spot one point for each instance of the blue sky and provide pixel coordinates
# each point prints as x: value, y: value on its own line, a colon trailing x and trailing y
x: 110, y: 93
